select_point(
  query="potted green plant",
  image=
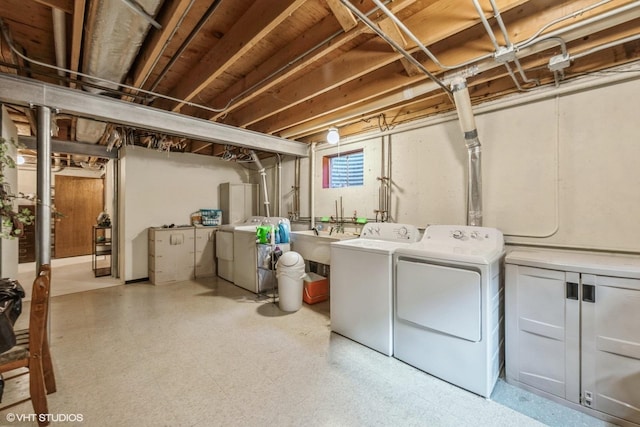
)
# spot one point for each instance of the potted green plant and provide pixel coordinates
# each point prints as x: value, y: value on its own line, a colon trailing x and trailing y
x: 13, y: 219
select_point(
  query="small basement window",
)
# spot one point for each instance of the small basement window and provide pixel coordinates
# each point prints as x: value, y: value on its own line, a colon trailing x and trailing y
x: 343, y: 170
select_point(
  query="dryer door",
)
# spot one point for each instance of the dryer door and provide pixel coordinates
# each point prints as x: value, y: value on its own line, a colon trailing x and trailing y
x: 442, y: 299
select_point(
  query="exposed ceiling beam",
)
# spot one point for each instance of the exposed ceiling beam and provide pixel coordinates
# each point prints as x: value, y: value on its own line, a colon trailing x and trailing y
x: 343, y: 15
x: 351, y: 66
x: 300, y: 54
x: 16, y: 90
x: 466, y: 46
x: 259, y: 20
x: 364, y: 59
x: 391, y: 29
x: 71, y: 147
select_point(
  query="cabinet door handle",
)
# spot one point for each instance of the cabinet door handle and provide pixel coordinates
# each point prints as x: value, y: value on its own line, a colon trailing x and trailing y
x: 572, y: 290
x: 588, y: 293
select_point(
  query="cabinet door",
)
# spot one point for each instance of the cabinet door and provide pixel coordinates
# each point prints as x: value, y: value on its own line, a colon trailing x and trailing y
x: 184, y: 252
x: 611, y: 346
x: 161, y: 263
x: 204, y: 261
x: 172, y: 254
x: 542, y: 343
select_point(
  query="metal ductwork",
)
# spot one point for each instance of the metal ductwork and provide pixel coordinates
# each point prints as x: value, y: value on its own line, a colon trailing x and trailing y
x: 116, y: 37
x: 59, y: 39
x: 468, y: 125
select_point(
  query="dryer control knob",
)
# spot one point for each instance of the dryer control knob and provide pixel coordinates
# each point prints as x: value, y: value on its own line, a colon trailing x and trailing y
x: 476, y: 235
x: 457, y: 234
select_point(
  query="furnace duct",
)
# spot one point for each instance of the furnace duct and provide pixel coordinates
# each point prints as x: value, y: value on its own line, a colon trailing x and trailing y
x: 468, y: 124
x: 118, y: 33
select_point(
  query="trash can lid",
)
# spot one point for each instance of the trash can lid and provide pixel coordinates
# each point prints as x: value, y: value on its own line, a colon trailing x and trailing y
x: 290, y: 259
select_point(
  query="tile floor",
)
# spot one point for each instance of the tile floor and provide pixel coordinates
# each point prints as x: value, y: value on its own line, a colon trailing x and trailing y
x: 207, y: 353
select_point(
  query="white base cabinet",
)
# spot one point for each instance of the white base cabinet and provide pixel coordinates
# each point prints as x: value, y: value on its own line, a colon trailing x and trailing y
x: 573, y: 330
x: 182, y: 253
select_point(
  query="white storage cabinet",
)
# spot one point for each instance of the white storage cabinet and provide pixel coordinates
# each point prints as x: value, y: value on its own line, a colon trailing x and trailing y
x: 573, y: 330
x: 238, y: 202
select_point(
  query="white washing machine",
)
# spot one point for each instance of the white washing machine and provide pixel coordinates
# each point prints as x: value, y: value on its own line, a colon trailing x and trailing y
x: 449, y: 299
x: 224, y: 246
x: 361, y: 284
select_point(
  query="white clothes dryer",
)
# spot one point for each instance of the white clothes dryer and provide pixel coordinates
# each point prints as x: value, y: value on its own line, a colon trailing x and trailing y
x: 449, y: 299
x: 361, y: 284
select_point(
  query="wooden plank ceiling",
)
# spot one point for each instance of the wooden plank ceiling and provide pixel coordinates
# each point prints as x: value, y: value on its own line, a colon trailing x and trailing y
x: 293, y: 68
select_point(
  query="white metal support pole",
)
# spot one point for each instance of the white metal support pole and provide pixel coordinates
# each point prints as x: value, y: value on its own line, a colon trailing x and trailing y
x: 43, y: 187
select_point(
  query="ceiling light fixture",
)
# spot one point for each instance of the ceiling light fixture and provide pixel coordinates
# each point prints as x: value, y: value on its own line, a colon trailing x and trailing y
x: 333, y: 136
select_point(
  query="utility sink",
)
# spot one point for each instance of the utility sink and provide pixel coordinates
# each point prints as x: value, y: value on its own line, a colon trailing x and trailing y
x: 314, y: 247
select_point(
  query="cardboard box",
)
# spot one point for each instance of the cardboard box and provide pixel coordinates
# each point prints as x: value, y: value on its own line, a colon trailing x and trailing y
x: 316, y: 288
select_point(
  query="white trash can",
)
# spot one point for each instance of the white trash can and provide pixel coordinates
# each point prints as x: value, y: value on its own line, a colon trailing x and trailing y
x: 290, y: 273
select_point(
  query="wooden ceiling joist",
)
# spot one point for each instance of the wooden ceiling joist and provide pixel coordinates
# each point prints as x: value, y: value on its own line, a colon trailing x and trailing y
x: 343, y: 15
x: 244, y: 35
x: 295, y: 67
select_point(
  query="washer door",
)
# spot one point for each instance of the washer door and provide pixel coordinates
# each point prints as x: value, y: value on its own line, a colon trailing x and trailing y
x: 442, y: 299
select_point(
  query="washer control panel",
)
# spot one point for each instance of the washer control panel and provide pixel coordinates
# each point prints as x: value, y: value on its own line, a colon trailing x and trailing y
x: 390, y: 231
x: 459, y: 234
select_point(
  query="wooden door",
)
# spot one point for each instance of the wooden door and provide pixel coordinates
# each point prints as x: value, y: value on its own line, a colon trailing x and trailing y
x: 80, y: 200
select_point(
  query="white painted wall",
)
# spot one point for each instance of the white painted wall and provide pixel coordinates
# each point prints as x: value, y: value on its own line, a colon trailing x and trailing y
x: 9, y: 247
x: 562, y: 171
x: 158, y: 188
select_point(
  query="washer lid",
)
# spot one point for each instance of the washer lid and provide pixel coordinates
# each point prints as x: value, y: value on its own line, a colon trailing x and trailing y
x: 369, y: 245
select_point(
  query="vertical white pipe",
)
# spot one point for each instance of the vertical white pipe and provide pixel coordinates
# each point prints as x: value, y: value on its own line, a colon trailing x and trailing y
x: 389, y: 189
x: 43, y: 187
x: 279, y: 185
x: 263, y: 176
x: 296, y: 189
x: 312, y: 190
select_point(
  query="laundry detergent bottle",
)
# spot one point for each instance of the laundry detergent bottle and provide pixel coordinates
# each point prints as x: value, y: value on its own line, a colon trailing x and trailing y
x: 283, y: 229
